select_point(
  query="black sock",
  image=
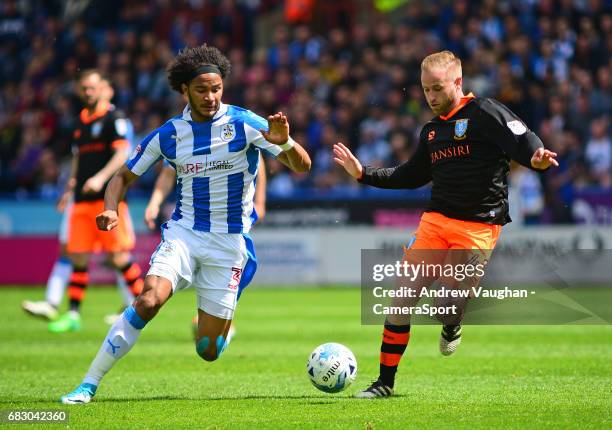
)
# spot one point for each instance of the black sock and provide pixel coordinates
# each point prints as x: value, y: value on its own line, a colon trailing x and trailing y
x: 77, y: 286
x: 394, y: 343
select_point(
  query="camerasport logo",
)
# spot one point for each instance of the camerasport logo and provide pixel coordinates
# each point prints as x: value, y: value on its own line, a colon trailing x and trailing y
x: 235, y: 281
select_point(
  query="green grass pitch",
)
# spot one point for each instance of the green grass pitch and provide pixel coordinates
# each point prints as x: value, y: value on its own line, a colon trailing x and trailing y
x: 501, y: 377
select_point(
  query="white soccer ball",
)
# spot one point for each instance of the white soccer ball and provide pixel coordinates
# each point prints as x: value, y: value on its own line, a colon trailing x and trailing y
x: 331, y: 367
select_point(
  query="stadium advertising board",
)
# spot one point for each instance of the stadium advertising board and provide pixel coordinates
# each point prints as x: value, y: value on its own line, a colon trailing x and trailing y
x: 316, y: 256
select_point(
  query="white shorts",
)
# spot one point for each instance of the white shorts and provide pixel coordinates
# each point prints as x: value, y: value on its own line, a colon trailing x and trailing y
x: 63, y: 231
x: 211, y: 262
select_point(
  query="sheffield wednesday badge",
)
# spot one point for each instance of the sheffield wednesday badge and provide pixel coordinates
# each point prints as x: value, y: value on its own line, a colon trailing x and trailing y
x: 461, y: 126
x: 96, y: 129
x: 228, y: 132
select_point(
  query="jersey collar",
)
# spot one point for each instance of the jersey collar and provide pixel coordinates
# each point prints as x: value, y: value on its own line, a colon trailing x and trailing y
x: 100, y: 111
x: 464, y: 100
x: 187, y: 112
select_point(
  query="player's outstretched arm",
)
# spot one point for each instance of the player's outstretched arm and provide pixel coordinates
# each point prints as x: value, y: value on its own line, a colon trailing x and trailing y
x: 115, y: 191
x: 96, y: 182
x: 294, y: 155
x: 70, y: 185
x: 163, y: 185
x: 511, y: 134
x: 413, y: 174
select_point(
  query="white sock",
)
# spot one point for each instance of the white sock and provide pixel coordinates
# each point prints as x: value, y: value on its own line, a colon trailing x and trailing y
x: 119, y: 340
x: 58, y: 279
x: 126, y: 294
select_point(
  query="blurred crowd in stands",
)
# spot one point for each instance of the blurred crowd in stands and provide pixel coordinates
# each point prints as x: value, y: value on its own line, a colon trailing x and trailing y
x: 354, y: 79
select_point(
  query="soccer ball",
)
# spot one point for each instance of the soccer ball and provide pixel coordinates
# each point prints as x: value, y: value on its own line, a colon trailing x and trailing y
x: 331, y: 367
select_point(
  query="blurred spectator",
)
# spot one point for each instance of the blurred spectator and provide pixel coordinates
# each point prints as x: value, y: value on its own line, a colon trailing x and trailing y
x: 528, y: 194
x: 598, y: 153
x: 373, y: 150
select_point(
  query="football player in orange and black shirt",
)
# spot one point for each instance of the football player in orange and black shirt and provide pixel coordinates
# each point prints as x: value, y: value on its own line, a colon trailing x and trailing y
x: 62, y: 268
x: 100, y: 147
x: 465, y: 151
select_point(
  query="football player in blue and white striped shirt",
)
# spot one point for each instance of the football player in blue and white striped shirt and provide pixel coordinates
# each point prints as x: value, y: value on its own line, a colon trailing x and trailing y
x: 214, y: 148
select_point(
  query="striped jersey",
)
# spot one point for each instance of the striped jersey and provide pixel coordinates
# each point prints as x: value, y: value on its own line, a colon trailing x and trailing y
x: 216, y: 165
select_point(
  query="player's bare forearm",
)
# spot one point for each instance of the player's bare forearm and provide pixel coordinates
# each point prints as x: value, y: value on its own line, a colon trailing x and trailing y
x: 115, y: 191
x: 163, y: 185
x: 74, y: 165
x: 117, y: 187
x: 97, y: 181
x: 260, y: 190
x: 117, y: 160
x: 70, y: 185
x: 297, y: 159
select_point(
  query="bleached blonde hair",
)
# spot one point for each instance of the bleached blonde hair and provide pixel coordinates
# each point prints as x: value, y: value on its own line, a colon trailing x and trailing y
x: 445, y: 60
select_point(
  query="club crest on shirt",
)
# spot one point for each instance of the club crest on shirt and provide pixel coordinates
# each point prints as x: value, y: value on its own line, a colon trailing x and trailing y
x: 96, y: 129
x: 461, y: 126
x: 228, y: 132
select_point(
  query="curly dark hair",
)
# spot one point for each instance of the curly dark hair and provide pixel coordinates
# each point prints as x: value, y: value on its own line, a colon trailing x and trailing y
x: 181, y: 69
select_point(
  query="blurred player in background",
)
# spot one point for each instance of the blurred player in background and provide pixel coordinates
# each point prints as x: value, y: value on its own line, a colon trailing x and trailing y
x: 100, y: 145
x: 165, y: 183
x: 62, y: 268
x: 465, y: 150
x: 214, y: 148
